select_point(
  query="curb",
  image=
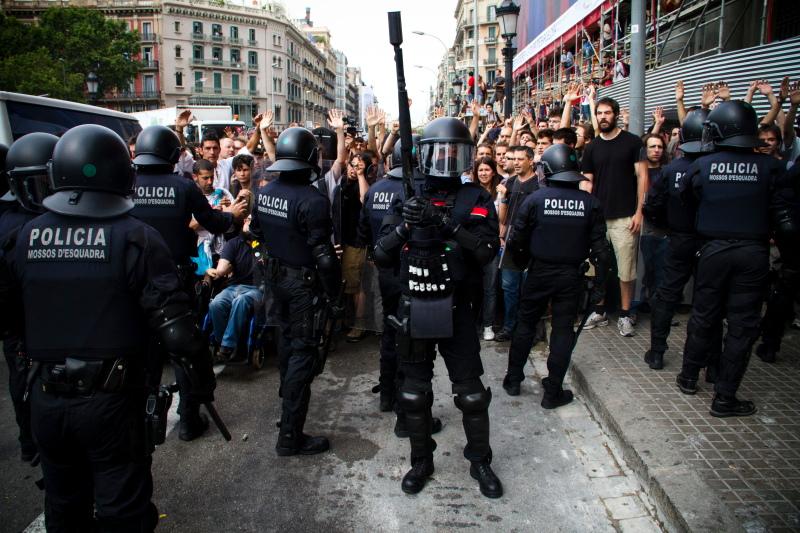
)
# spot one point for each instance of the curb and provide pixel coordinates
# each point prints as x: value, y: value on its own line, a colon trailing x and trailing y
x: 684, y: 501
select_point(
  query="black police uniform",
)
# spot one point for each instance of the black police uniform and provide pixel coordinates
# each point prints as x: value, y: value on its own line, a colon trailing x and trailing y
x: 735, y: 192
x: 167, y: 202
x: 558, y: 227
x: 90, y: 277
x: 13, y: 338
x: 292, y: 220
x: 785, y: 286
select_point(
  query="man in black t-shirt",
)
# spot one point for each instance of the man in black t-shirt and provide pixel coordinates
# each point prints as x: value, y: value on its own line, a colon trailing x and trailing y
x: 617, y: 174
x: 233, y: 307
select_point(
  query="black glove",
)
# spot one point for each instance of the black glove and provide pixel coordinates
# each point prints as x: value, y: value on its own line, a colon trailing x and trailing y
x: 336, y: 311
x: 418, y: 211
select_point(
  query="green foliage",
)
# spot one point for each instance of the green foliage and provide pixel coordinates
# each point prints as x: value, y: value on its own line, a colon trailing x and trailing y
x: 55, y: 56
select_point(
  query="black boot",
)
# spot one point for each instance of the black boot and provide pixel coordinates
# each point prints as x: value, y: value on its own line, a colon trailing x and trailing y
x: 711, y: 374
x: 386, y: 401
x: 415, y: 479
x: 724, y: 406
x: 303, y: 445
x: 487, y: 480
x: 654, y: 359
x: 511, y: 387
x: 192, y: 426
x: 686, y: 385
x: 766, y: 353
x: 554, y: 394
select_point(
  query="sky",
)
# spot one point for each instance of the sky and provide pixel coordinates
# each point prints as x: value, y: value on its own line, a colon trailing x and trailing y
x: 360, y: 29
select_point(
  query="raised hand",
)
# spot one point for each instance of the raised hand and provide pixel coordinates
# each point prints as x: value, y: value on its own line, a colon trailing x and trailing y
x: 707, y: 95
x: 229, y: 133
x: 764, y: 88
x: 183, y: 119
x: 373, y: 116
x: 784, y: 92
x: 679, y: 91
x: 794, y: 93
x: 658, y: 115
x: 336, y: 119
x: 723, y: 90
x: 475, y: 107
x: 266, y: 120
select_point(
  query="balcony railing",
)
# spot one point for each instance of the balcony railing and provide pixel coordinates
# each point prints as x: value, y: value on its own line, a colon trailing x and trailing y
x: 199, y: 37
x: 148, y: 64
x: 217, y: 37
x: 235, y: 40
x: 134, y: 95
x: 489, y: 40
x: 224, y: 91
x: 252, y: 66
x: 252, y: 42
x: 148, y: 37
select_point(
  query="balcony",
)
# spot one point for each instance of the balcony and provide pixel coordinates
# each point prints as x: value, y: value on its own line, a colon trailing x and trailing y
x: 199, y: 37
x: 489, y: 40
x: 469, y: 42
x: 252, y: 66
x: 293, y: 99
x: 491, y: 62
x: 219, y: 63
x: 252, y: 42
x: 222, y: 91
x: 217, y: 37
x: 294, y: 76
x: 134, y: 95
x: 148, y: 64
x: 252, y: 92
x: 148, y: 37
x: 235, y: 41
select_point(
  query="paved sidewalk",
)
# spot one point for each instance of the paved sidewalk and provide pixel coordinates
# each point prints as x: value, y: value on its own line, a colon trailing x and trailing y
x: 704, y: 473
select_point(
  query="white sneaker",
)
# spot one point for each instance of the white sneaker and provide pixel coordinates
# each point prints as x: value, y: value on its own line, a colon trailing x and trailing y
x: 596, y: 319
x: 625, y: 326
x: 488, y: 333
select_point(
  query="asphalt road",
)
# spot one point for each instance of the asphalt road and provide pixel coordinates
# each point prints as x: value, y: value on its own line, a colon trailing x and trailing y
x: 557, y: 466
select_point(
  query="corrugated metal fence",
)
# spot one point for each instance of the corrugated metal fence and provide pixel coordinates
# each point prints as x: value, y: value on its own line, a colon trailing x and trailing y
x: 738, y: 68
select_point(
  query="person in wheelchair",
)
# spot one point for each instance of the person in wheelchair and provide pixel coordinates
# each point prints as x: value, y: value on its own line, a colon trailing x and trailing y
x: 232, y: 308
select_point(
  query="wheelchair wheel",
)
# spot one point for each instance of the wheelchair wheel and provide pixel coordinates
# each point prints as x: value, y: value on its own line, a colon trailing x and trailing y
x: 257, y: 358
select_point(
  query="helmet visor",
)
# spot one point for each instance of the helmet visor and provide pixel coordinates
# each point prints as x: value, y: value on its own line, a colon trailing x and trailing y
x: 30, y: 186
x: 445, y: 159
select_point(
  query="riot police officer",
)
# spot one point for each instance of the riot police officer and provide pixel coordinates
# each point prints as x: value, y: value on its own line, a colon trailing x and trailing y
x: 292, y: 219
x: 736, y: 195
x: 91, y: 277
x: 378, y: 201
x: 448, y: 233
x: 663, y: 208
x: 28, y: 182
x: 557, y: 229
x: 167, y: 202
x: 7, y: 200
x: 786, y: 279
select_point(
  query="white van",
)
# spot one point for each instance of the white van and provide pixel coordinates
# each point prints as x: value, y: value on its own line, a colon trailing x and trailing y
x: 22, y: 113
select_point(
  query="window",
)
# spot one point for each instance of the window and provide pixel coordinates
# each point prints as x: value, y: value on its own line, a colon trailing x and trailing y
x: 179, y: 79
x: 177, y: 26
x: 218, y: 82
x: 198, y: 52
x: 147, y: 54
x: 197, y: 28
x: 234, y: 32
x: 216, y: 54
x: 491, y: 16
x: 252, y: 34
x: 252, y: 58
x: 253, y: 83
x: 492, y: 32
x: 277, y: 117
x: 235, y: 83
x: 275, y: 85
x: 198, y: 81
x: 492, y: 54
x: 490, y: 77
x: 236, y: 55
x: 147, y: 28
x: 149, y: 85
x: 216, y: 31
x: 177, y: 52
x: 470, y: 33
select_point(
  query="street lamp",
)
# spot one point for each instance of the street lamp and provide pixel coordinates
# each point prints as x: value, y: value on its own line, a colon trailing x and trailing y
x: 92, y: 85
x: 446, y: 54
x: 457, y: 86
x: 508, y: 12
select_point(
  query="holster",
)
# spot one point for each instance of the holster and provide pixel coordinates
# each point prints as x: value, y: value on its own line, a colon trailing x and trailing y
x: 156, y: 410
x: 84, y: 377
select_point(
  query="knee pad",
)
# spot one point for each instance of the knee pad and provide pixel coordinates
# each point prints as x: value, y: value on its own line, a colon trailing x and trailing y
x: 414, y: 402
x: 474, y: 403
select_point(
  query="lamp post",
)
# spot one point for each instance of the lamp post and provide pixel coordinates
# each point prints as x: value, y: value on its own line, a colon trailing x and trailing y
x: 457, y: 85
x: 92, y: 85
x: 446, y: 56
x: 508, y: 12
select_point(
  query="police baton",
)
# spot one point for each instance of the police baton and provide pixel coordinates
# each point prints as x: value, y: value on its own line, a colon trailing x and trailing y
x: 212, y: 412
x: 587, y: 311
x: 404, y: 117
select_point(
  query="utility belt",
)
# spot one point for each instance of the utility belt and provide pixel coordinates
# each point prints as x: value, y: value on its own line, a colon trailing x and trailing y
x: 278, y: 271
x: 78, y: 377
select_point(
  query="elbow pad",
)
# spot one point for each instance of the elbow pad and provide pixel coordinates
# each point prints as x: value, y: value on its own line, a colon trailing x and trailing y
x: 386, y: 250
x: 330, y: 271
x: 483, y: 252
x: 177, y: 330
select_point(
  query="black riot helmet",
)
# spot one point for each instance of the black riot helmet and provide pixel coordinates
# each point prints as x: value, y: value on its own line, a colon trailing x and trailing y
x: 27, y: 169
x: 559, y: 163
x: 397, y: 156
x: 326, y: 138
x: 446, y: 148
x: 732, y: 124
x: 4, y: 195
x: 91, y: 174
x: 692, y: 131
x: 156, y: 146
x: 297, y: 149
